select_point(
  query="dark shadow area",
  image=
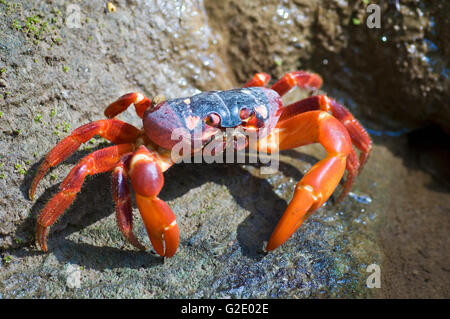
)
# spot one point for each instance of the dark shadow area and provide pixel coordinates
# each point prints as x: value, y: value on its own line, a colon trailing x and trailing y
x: 250, y: 192
x: 101, y: 258
x: 426, y: 149
x: 93, y: 257
x: 431, y: 147
x: 300, y: 156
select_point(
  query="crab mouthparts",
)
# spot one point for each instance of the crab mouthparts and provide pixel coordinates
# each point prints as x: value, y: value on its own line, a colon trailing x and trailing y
x: 225, y: 139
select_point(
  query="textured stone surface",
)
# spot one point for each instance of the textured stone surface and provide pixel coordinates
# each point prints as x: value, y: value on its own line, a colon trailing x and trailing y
x: 396, y: 75
x: 64, y: 77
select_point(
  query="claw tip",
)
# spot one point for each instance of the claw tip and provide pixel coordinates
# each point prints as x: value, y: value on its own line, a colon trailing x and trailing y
x: 31, y: 193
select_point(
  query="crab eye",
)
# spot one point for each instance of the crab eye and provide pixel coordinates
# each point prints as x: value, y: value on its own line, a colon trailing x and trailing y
x: 246, y: 114
x: 212, y: 119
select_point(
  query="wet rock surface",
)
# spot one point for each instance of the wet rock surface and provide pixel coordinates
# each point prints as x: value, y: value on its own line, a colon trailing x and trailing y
x: 397, y: 74
x: 56, y: 76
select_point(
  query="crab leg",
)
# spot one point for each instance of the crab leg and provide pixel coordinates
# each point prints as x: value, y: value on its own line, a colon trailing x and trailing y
x: 121, y: 195
x: 320, y: 181
x: 97, y: 162
x: 259, y: 79
x: 141, y: 103
x: 301, y: 79
x: 147, y: 180
x: 113, y: 130
x: 358, y: 134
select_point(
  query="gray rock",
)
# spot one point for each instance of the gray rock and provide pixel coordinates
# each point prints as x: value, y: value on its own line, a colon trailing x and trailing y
x: 60, y: 76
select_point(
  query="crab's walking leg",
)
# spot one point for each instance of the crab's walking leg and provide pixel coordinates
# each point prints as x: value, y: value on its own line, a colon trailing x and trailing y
x: 301, y: 79
x: 121, y: 195
x: 259, y: 79
x: 113, y: 130
x: 147, y: 180
x: 358, y: 134
x: 320, y: 181
x: 141, y: 103
x: 97, y: 162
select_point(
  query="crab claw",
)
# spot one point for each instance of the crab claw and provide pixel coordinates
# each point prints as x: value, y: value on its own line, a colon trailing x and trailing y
x: 310, y: 193
x: 296, y: 213
x: 317, y: 185
x: 41, y: 237
x: 160, y: 224
x: 147, y: 181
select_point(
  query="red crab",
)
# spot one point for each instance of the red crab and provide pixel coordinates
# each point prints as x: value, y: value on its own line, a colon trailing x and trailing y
x: 142, y: 155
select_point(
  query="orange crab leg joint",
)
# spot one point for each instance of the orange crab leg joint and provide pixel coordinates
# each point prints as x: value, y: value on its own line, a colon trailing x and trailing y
x: 141, y: 103
x: 358, y: 134
x: 320, y: 181
x: 298, y: 78
x: 147, y: 180
x: 259, y: 79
